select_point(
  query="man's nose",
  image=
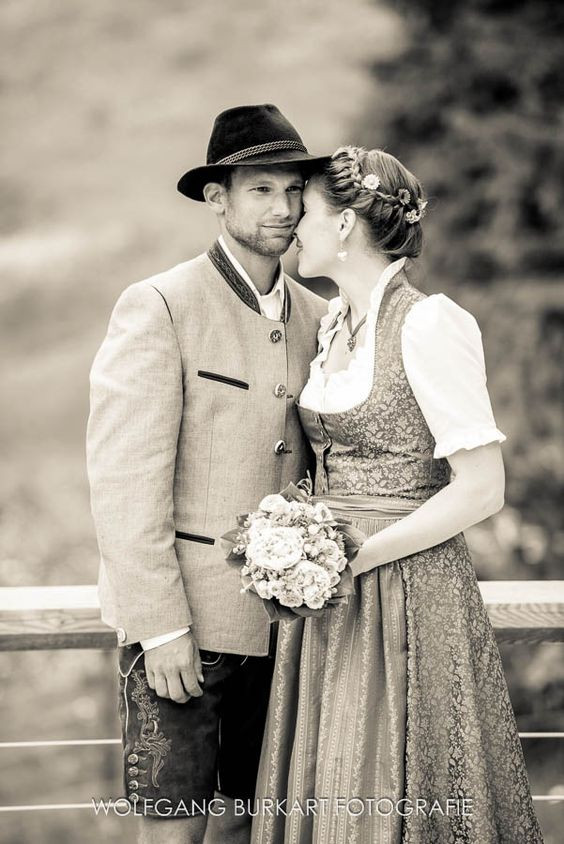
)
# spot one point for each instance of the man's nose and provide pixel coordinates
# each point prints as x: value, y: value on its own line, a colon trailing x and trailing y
x: 281, y: 205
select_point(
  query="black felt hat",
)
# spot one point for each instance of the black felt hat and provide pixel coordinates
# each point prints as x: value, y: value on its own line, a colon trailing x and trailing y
x: 249, y: 135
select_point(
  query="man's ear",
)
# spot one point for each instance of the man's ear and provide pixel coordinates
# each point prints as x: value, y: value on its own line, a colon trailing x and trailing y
x: 215, y: 196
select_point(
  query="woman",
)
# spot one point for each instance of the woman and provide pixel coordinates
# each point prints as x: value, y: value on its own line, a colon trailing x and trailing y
x: 390, y: 715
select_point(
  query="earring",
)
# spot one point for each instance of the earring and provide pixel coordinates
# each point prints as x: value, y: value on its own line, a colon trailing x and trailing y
x: 342, y: 256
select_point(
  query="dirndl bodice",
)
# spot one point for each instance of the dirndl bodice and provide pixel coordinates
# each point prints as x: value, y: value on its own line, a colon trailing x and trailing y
x: 382, y: 446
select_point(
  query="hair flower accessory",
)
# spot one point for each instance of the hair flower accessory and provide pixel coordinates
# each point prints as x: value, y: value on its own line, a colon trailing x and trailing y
x: 413, y: 216
x: 404, y: 196
x: 370, y: 181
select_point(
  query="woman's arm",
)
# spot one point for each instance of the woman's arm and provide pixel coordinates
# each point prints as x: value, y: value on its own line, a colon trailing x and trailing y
x: 475, y: 492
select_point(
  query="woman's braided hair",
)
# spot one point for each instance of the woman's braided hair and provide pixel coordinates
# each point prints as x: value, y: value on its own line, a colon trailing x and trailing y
x: 384, y: 194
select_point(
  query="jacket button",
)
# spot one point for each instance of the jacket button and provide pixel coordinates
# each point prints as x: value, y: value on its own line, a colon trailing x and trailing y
x: 280, y: 447
x: 275, y: 335
x: 280, y: 390
x: 133, y: 784
x: 133, y: 759
x: 133, y: 772
x: 121, y: 634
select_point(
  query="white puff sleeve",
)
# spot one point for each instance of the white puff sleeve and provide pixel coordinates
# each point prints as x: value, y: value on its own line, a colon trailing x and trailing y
x: 444, y: 362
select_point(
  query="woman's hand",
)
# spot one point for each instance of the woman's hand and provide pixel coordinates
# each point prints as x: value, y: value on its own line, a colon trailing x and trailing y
x: 365, y: 559
x: 475, y: 492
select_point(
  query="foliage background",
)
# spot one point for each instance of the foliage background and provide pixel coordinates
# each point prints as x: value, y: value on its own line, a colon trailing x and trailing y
x: 103, y: 106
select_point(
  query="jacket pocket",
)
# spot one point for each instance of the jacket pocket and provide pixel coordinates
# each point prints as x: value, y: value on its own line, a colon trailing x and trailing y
x: 194, y: 537
x: 224, y: 379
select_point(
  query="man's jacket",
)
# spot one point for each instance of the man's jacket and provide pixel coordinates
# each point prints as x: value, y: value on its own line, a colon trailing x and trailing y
x: 193, y: 420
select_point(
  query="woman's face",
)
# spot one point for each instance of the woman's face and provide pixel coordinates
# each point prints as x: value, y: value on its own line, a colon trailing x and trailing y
x: 317, y: 234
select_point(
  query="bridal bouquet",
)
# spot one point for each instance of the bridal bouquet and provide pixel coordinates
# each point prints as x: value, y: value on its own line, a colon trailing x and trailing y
x: 293, y: 553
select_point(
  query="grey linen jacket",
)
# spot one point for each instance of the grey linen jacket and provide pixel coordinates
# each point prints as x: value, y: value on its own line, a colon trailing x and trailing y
x: 191, y: 391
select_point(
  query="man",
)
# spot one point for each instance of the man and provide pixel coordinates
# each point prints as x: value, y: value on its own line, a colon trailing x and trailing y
x: 192, y: 421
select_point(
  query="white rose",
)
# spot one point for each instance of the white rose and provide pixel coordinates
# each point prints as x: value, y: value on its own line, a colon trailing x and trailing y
x: 257, y: 526
x: 331, y: 550
x: 275, y: 504
x: 307, y: 573
x: 276, y: 548
x: 334, y: 578
x: 276, y: 588
x: 265, y: 589
x: 316, y: 602
x: 291, y: 598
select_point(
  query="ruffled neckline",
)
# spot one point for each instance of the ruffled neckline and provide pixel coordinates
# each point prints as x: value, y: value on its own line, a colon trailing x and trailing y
x: 337, y: 312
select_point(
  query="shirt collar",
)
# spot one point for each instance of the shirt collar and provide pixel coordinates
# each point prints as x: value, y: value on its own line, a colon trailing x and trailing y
x: 278, y: 288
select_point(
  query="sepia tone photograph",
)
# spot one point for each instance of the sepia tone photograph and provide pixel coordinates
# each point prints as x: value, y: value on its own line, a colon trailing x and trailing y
x: 282, y: 332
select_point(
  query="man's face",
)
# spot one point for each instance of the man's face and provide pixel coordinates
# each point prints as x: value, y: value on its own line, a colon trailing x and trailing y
x: 263, y: 206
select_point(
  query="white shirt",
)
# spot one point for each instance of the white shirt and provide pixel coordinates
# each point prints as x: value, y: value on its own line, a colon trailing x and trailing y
x: 443, y: 360
x: 271, y: 306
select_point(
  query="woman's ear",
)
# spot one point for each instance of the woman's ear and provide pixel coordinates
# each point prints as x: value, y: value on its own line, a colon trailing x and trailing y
x: 347, y: 221
x: 214, y: 195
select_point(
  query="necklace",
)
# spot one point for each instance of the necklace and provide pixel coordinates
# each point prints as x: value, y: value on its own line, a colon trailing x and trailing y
x: 351, y: 342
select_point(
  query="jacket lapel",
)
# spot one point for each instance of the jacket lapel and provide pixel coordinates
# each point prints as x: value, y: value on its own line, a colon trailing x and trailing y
x: 238, y: 284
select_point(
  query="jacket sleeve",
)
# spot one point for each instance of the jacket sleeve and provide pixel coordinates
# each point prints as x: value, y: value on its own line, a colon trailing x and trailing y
x: 135, y: 414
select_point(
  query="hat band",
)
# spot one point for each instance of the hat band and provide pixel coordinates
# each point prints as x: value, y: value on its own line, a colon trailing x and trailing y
x: 273, y: 146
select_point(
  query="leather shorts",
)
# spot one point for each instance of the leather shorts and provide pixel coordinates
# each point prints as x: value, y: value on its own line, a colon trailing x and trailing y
x: 177, y: 755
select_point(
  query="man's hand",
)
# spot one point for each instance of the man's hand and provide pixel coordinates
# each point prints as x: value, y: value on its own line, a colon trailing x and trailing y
x: 174, y: 669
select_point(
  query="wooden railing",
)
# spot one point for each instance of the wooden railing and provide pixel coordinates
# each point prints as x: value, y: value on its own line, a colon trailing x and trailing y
x: 50, y: 617
x: 54, y: 617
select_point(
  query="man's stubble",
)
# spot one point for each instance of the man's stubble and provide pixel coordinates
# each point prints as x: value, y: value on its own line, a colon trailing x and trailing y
x: 255, y: 241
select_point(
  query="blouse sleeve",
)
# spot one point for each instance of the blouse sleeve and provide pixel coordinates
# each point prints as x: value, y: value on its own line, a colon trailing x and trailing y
x: 444, y: 362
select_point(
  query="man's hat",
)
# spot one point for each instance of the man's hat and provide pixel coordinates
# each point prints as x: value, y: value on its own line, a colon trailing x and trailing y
x: 253, y: 134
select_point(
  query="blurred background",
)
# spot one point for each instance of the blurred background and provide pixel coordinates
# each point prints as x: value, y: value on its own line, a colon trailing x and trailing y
x: 103, y: 106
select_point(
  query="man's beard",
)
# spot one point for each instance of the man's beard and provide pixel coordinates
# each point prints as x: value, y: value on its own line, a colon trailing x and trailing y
x: 256, y: 242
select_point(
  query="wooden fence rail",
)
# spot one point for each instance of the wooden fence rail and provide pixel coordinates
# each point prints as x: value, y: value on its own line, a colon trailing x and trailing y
x: 55, y: 617
x: 52, y: 617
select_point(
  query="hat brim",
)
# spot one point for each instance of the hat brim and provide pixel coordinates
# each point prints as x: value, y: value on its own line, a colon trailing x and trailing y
x: 192, y: 183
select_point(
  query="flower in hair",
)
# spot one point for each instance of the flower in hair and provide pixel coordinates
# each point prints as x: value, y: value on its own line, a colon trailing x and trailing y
x: 422, y: 204
x: 413, y: 216
x: 370, y: 181
x: 404, y: 196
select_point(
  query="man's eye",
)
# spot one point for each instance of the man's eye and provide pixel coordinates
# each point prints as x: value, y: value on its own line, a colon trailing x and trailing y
x: 262, y: 188
x: 296, y: 188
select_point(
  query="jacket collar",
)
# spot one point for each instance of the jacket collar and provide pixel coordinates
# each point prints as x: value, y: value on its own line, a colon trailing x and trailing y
x: 277, y: 291
x: 238, y: 284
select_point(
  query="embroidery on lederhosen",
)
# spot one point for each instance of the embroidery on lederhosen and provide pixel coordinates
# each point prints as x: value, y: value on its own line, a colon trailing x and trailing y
x: 151, y: 740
